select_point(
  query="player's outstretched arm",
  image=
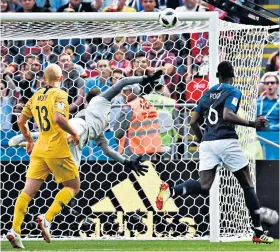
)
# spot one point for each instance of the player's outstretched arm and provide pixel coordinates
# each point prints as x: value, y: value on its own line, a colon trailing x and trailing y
x: 113, y: 91
x: 195, y: 126
x: 229, y: 115
x: 63, y: 123
x: 131, y: 165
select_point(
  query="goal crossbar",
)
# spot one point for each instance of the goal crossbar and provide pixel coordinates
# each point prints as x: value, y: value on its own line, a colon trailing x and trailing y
x: 99, y: 17
x: 85, y: 25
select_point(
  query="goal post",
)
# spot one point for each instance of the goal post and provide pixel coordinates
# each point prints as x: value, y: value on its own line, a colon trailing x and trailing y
x: 240, y: 44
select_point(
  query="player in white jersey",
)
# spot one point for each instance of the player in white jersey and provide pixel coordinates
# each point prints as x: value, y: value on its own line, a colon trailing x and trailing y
x: 92, y: 122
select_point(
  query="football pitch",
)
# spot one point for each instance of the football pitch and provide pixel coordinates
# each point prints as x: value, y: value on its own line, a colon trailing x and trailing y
x: 156, y: 245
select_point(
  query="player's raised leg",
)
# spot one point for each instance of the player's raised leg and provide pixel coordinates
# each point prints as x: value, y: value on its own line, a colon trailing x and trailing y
x: 189, y: 187
x: 244, y: 178
x: 30, y: 189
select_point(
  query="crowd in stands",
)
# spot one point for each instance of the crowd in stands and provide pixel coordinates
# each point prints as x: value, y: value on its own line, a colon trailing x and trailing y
x: 101, y: 62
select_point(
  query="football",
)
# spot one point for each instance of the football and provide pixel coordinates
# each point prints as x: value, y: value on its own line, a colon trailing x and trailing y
x: 87, y: 228
x: 168, y: 18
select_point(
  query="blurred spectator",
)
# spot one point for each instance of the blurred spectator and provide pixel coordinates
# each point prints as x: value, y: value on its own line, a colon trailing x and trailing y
x: 180, y: 47
x: 159, y: 97
x: 268, y: 104
x: 117, y: 74
x: 106, y: 3
x: 14, y: 5
x: 160, y: 58
x: 53, y: 5
x: 137, y: 128
x: 11, y: 62
x: 5, y: 6
x: 36, y: 68
x: 133, y: 46
x: 79, y: 6
x: 273, y: 62
x: 141, y: 65
x: 195, y: 44
x: 32, y: 64
x: 46, y: 55
x: 103, y: 80
x: 160, y: 4
x: 69, y: 50
x: 99, y: 48
x: 72, y: 83
x: 30, y: 6
x: 149, y: 6
x: 7, y: 101
x: 120, y: 62
x: 78, y: 49
x: 119, y: 6
x: 190, y: 5
x: 29, y: 80
x: 261, y: 86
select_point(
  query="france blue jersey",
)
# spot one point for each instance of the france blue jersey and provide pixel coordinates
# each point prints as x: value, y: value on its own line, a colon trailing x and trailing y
x: 211, y: 107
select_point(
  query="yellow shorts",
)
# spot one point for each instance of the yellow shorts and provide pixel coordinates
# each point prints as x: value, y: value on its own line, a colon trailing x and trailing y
x: 63, y: 169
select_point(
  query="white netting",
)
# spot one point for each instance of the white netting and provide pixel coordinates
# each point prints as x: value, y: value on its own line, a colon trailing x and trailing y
x: 114, y: 203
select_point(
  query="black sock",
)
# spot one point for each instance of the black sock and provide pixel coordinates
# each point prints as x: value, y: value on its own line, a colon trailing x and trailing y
x: 188, y: 187
x: 253, y: 206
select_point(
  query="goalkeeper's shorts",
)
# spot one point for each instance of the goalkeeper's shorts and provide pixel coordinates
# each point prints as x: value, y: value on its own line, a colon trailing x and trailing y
x: 63, y: 169
x: 226, y: 153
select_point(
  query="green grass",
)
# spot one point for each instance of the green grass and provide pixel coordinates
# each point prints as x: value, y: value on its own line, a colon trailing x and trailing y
x: 156, y: 245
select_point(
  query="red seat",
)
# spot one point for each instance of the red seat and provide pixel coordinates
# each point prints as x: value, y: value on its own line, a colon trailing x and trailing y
x: 92, y: 73
x: 31, y: 50
x: 196, y: 88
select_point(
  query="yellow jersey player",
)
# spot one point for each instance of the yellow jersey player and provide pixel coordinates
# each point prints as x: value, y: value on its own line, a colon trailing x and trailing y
x: 50, y: 154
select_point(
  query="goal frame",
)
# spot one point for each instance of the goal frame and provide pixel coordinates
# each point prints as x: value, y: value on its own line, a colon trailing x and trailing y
x: 211, y: 17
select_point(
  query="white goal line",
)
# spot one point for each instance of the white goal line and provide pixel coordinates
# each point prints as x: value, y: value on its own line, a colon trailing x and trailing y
x: 204, y: 238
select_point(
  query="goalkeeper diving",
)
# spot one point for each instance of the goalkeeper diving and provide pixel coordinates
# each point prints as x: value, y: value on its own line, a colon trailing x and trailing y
x: 92, y: 122
x: 54, y: 150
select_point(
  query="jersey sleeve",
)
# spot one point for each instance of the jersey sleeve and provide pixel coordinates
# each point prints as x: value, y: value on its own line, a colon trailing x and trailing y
x: 101, y: 139
x: 27, y: 109
x: 233, y: 100
x: 61, y: 103
x: 198, y: 108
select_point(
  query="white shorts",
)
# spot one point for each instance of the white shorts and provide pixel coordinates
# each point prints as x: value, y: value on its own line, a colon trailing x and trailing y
x: 225, y: 152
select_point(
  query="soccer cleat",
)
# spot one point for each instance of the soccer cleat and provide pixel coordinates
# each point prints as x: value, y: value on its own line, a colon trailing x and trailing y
x: 264, y: 238
x: 45, y: 227
x: 163, y: 196
x: 15, y: 239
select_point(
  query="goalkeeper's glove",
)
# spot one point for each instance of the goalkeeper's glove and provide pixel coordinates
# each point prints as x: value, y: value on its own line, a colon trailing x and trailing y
x: 135, y: 165
x: 152, y: 79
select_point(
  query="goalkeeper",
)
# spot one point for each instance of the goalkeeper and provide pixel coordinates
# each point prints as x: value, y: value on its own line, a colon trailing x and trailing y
x: 90, y: 123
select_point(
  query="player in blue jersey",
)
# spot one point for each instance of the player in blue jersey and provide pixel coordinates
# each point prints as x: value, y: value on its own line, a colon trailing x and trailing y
x: 219, y: 145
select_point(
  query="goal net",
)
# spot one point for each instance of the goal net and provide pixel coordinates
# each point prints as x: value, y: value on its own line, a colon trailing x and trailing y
x: 103, y: 48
